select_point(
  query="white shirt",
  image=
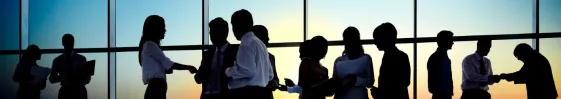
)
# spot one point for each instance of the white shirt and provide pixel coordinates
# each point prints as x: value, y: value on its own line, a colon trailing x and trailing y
x: 252, y: 66
x: 471, y: 77
x: 213, y: 86
x: 362, y: 68
x: 154, y: 62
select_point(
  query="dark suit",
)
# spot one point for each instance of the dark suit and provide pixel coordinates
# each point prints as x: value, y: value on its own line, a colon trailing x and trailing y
x: 395, y: 74
x: 537, y: 76
x: 440, y: 75
x: 202, y: 76
x: 275, y: 78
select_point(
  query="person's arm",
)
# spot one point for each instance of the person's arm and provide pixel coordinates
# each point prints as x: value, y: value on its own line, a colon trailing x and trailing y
x: 20, y: 74
x: 434, y: 75
x: 202, y: 73
x: 152, y: 50
x: 469, y: 69
x: 245, y: 65
x: 54, y: 77
x: 491, y: 79
x: 368, y: 79
x: 294, y: 89
x: 405, y: 72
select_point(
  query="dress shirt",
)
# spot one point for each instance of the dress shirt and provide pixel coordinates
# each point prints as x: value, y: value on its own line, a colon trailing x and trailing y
x: 64, y: 68
x: 154, y: 62
x: 252, y: 66
x: 439, y: 69
x: 213, y: 86
x: 471, y: 77
x: 362, y: 68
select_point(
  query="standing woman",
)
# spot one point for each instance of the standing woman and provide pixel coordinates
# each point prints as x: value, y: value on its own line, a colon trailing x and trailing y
x: 27, y: 88
x: 353, y: 62
x: 155, y: 65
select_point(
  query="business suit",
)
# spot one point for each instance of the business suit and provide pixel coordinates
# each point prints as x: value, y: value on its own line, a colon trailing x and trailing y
x: 203, y: 75
x: 73, y: 81
x: 395, y: 74
x: 440, y: 75
x: 537, y: 76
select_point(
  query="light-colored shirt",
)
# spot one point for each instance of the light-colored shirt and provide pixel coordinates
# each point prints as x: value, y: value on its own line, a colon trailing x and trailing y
x: 295, y: 89
x: 213, y: 86
x: 154, y: 62
x: 362, y: 68
x: 252, y: 66
x: 471, y: 76
x: 62, y: 69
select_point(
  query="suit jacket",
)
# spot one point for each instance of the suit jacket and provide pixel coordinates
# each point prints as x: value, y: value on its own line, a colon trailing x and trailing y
x: 202, y: 75
x: 395, y: 75
x: 537, y: 76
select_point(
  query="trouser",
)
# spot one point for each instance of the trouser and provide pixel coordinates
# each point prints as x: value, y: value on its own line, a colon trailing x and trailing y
x: 157, y: 89
x: 475, y: 94
x: 441, y: 96
x: 389, y: 93
x: 73, y: 92
x: 250, y: 92
x: 215, y: 96
x: 28, y: 93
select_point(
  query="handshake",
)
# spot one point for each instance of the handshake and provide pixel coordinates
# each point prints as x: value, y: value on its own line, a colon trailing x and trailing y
x: 498, y: 78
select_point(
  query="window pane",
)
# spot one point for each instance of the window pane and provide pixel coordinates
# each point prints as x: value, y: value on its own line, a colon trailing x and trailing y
x: 550, y: 49
x: 97, y: 88
x: 181, y: 84
x: 329, y: 18
x: 550, y: 13
x: 283, y: 18
x: 474, y: 17
x: 9, y: 29
x: 183, y: 20
x: 287, y: 63
x: 85, y: 20
x: 502, y: 59
x: 9, y: 87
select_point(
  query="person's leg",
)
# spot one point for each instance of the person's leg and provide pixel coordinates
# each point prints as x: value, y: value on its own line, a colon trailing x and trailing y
x: 62, y: 93
x: 441, y: 96
x: 157, y: 89
x: 467, y: 94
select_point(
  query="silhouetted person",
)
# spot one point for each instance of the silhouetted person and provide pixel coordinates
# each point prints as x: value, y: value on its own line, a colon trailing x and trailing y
x: 354, y: 62
x: 27, y: 88
x: 252, y: 70
x: 477, y: 72
x: 66, y: 69
x: 311, y: 72
x: 535, y: 73
x: 395, y: 71
x: 439, y: 68
x: 263, y: 34
x: 155, y: 65
x: 215, y: 61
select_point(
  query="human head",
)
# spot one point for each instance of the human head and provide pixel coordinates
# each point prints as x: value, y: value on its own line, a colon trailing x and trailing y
x: 523, y: 52
x: 154, y: 28
x: 304, y: 49
x: 319, y: 47
x: 351, y: 38
x: 385, y: 36
x: 218, y: 31
x: 242, y: 22
x: 484, y: 46
x: 262, y: 33
x: 31, y: 53
x: 68, y: 42
x: 445, y: 39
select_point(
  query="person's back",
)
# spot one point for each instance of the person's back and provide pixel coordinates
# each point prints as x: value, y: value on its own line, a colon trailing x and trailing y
x: 69, y: 69
x: 439, y: 73
x: 310, y: 74
x: 540, y: 81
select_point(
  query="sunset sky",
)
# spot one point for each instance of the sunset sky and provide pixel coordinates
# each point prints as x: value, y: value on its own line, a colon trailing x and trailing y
x: 87, y: 21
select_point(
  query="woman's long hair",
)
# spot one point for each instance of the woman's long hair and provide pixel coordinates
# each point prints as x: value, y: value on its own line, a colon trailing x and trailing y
x: 153, y: 26
x: 353, y: 46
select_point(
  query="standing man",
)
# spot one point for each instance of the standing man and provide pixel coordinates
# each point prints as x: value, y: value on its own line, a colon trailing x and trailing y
x: 215, y: 61
x: 477, y: 72
x: 536, y: 73
x: 252, y: 70
x: 439, y: 68
x: 395, y: 72
x: 263, y: 34
x: 68, y: 69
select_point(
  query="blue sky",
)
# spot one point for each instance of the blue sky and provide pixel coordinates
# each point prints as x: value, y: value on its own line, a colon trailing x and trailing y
x: 87, y: 21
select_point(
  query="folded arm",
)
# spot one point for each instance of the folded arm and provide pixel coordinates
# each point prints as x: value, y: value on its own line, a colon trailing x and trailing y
x: 244, y: 65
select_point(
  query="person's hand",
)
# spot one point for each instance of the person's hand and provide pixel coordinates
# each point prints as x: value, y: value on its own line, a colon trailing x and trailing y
x: 494, y: 78
x: 507, y: 77
x: 374, y: 91
x: 283, y: 88
x: 192, y: 69
x: 289, y: 82
x: 350, y: 80
x: 272, y: 85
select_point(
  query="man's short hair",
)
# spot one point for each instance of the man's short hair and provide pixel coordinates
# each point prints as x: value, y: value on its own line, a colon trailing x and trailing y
x: 218, y: 22
x: 386, y: 30
x: 484, y: 42
x: 67, y: 39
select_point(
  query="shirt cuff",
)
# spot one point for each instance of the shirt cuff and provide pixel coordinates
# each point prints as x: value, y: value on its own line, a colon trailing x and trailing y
x: 294, y: 89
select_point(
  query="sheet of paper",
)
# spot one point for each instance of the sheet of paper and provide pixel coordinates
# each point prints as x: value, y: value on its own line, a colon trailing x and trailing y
x: 39, y: 73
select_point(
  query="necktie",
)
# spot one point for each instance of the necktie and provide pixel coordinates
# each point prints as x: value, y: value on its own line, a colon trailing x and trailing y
x: 482, y: 68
